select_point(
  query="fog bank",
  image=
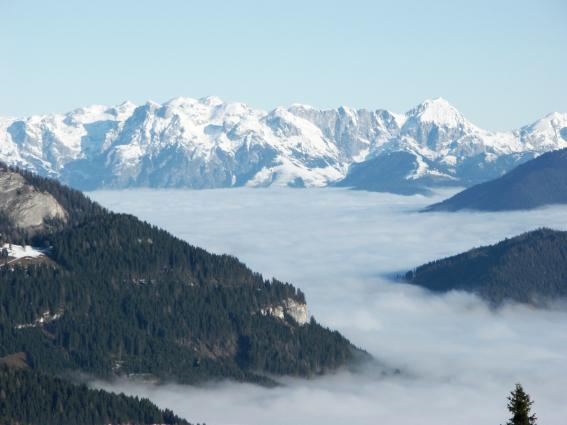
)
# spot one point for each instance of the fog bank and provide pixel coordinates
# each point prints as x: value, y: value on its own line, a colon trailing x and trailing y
x: 460, y: 359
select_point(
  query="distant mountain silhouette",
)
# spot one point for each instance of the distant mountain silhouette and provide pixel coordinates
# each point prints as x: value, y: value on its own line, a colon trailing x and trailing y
x: 538, y: 182
x: 530, y: 268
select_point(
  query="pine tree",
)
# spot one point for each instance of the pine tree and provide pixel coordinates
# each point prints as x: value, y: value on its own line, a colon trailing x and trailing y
x: 519, y: 404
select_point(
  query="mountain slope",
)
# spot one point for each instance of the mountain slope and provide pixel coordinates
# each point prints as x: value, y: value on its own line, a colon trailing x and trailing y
x: 210, y: 143
x: 387, y: 173
x: 541, y: 181
x: 31, y: 398
x: 530, y: 268
x: 121, y: 297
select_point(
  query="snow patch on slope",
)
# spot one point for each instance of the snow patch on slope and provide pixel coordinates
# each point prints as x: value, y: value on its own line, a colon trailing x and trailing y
x: 18, y: 252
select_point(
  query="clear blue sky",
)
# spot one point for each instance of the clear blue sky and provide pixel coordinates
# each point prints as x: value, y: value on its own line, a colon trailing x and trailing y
x: 502, y: 63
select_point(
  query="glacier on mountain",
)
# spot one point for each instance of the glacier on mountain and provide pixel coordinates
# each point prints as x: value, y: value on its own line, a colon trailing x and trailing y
x: 207, y: 143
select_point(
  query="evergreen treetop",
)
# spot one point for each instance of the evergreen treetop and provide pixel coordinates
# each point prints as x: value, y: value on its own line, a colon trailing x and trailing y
x: 519, y: 405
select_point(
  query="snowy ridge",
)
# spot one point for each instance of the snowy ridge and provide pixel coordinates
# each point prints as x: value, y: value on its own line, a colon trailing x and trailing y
x: 204, y: 143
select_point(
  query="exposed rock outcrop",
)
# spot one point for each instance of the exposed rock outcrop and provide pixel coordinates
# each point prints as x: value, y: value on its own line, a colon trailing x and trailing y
x: 26, y: 207
x: 298, y: 311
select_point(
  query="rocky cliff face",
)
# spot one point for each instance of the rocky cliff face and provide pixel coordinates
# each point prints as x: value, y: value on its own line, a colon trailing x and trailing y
x: 210, y: 143
x: 291, y: 307
x: 24, y: 206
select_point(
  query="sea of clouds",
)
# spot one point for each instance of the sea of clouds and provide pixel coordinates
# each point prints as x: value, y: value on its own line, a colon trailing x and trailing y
x: 459, y: 358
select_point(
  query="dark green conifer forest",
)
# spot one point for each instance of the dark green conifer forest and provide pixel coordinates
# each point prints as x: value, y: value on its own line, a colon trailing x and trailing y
x: 119, y: 297
x: 32, y: 398
x: 529, y: 268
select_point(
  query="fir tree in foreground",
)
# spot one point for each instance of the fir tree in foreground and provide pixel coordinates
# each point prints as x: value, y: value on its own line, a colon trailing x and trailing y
x: 520, y: 404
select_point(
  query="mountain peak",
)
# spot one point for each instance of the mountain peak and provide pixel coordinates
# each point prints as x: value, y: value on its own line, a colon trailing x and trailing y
x: 126, y: 104
x: 86, y: 110
x: 123, y: 110
x: 557, y: 118
x: 211, y: 100
x: 303, y: 106
x: 150, y: 104
x: 550, y: 127
x: 438, y: 111
x: 181, y: 102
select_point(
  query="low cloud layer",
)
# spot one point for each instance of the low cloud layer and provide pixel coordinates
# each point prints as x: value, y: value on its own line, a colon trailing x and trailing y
x: 460, y: 358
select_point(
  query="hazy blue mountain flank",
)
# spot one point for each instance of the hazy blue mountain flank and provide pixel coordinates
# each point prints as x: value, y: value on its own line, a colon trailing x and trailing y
x: 541, y: 181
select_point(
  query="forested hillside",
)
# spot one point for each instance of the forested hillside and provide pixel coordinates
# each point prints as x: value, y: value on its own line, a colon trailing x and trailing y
x: 32, y: 398
x: 122, y: 297
x: 530, y: 268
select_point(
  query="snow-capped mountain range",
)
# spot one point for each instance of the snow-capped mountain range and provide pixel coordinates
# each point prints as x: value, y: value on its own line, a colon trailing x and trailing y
x: 209, y: 143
